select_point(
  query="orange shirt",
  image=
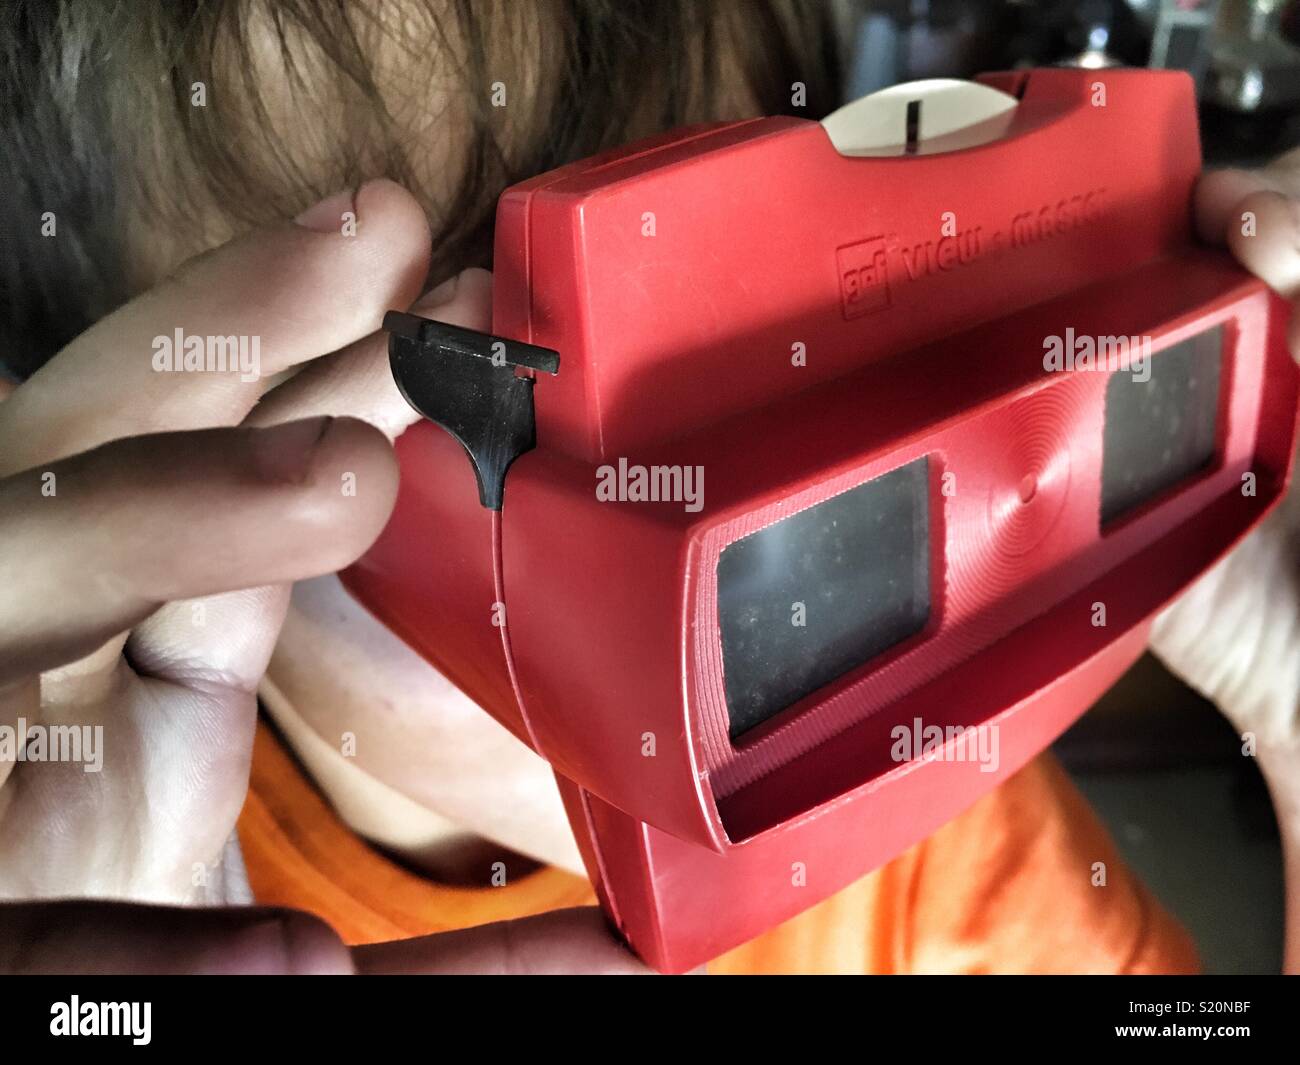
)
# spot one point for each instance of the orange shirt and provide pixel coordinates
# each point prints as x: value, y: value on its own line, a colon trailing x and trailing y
x: 1007, y: 887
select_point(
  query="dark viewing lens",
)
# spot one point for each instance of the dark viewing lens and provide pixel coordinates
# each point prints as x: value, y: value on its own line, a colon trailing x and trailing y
x: 1162, y: 430
x: 823, y: 591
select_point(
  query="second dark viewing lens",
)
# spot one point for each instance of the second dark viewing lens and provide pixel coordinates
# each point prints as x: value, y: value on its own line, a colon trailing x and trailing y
x: 1160, y: 431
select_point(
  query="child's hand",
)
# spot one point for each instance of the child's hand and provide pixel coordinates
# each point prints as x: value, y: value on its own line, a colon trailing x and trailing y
x: 150, y: 526
x: 1235, y: 635
x: 116, y: 547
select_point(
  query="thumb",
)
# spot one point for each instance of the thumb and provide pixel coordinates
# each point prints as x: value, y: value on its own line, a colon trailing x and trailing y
x: 1256, y: 214
x: 87, y: 937
x: 113, y: 938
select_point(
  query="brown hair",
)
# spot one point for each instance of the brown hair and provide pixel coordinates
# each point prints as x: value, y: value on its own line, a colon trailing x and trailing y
x: 102, y: 119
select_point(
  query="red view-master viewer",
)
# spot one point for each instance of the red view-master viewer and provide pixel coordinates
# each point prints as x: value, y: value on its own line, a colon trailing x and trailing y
x: 847, y: 464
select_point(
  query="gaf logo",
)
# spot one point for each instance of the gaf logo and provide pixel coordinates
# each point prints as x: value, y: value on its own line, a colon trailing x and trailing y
x: 864, y: 277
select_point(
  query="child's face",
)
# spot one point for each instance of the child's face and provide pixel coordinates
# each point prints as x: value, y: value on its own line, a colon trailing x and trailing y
x: 424, y: 765
x: 435, y: 766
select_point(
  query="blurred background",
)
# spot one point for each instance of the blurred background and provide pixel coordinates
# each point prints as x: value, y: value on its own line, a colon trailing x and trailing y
x: 1160, y: 765
x: 1244, y: 54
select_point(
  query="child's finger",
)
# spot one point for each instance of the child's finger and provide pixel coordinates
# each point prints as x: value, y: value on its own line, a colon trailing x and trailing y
x: 264, y: 302
x: 358, y: 383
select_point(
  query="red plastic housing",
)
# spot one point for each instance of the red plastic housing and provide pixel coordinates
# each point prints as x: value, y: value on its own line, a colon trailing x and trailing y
x: 680, y: 279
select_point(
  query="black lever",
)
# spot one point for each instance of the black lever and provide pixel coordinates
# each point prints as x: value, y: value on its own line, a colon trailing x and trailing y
x: 465, y: 381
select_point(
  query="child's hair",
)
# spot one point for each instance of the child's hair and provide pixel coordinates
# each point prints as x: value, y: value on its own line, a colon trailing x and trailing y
x: 172, y: 125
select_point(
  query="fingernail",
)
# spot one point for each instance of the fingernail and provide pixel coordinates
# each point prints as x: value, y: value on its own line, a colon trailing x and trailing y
x: 442, y: 294
x: 327, y: 215
x: 283, y: 453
